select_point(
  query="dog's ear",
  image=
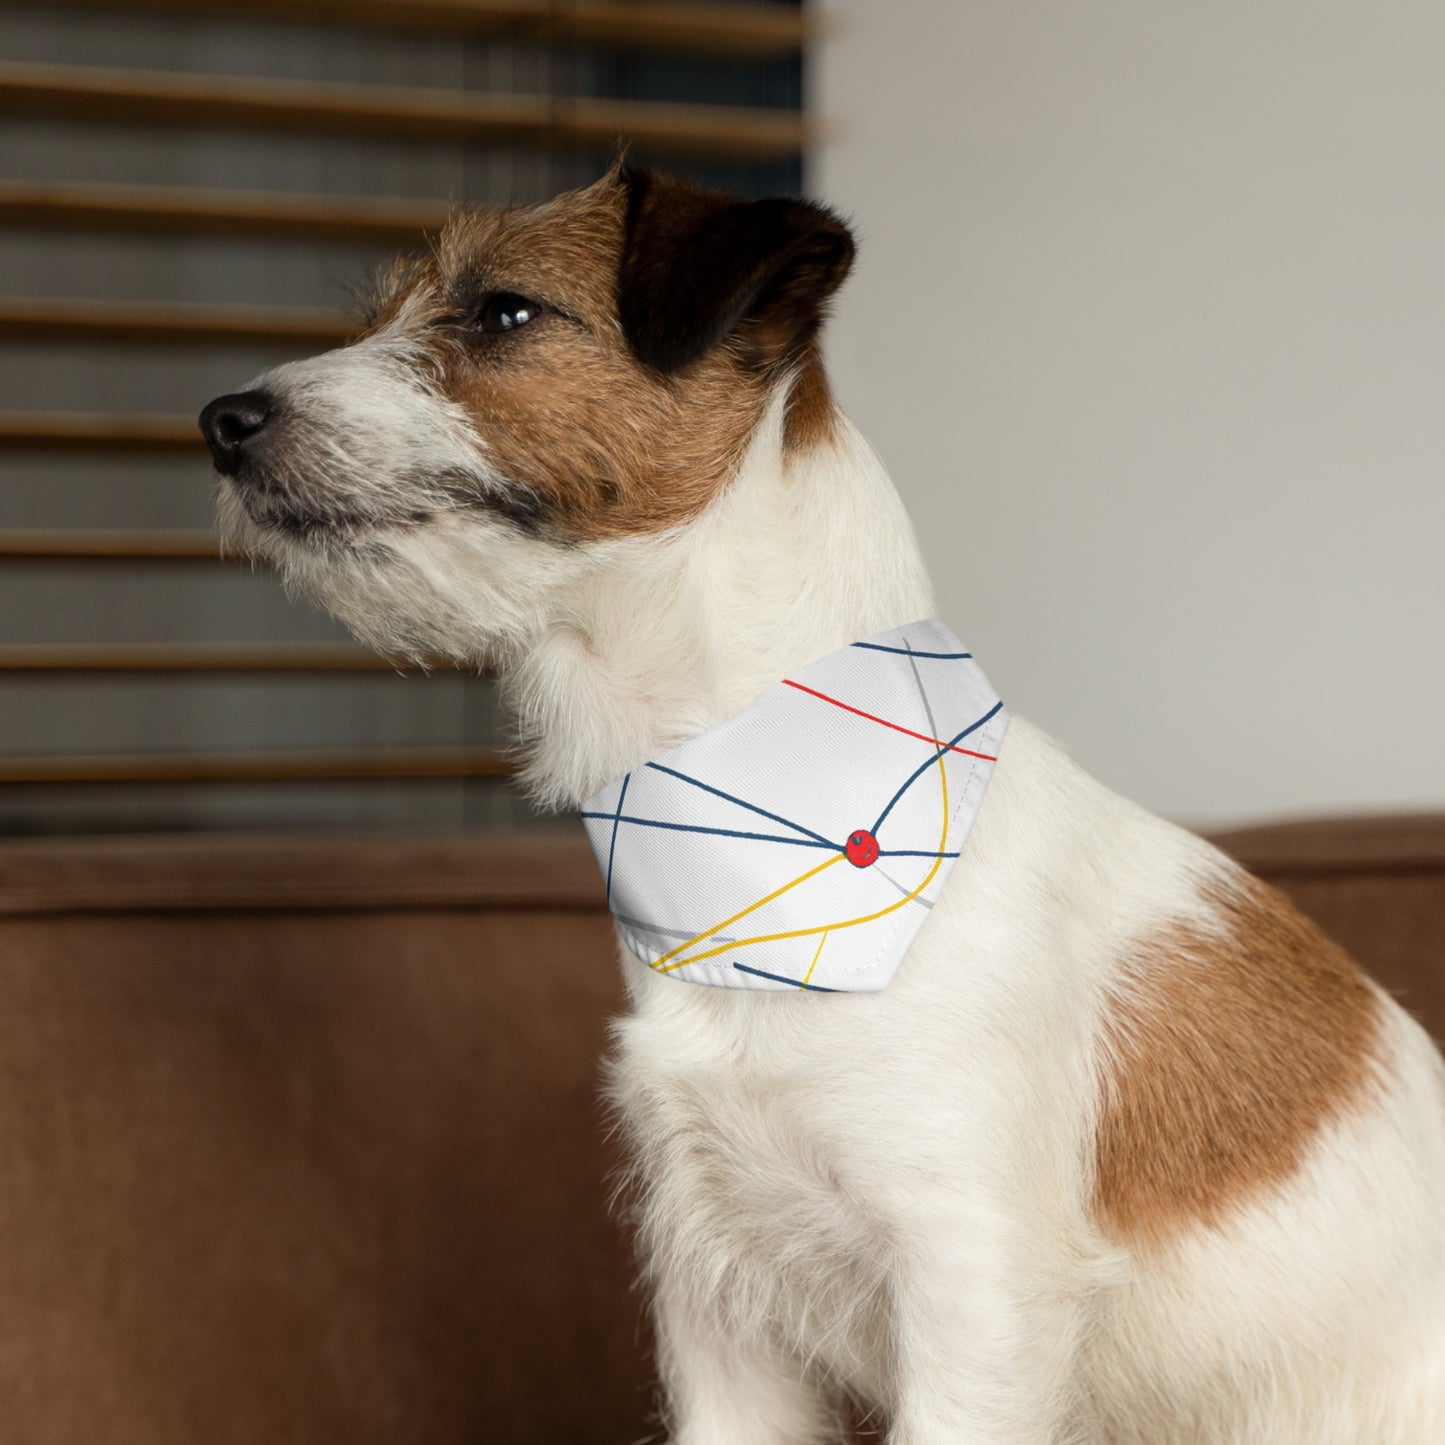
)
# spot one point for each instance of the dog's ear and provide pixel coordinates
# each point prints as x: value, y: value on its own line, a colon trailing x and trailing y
x: 698, y: 267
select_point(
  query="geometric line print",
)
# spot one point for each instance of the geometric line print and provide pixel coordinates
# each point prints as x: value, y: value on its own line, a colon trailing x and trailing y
x: 664, y: 966
x: 861, y: 848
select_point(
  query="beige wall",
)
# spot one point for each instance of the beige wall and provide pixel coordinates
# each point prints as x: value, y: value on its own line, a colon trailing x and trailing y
x: 1149, y: 324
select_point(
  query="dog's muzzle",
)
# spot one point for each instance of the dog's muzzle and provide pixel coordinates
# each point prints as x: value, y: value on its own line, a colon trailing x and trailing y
x: 231, y: 424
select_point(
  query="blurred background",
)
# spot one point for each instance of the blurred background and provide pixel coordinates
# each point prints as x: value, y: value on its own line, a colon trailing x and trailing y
x: 1148, y: 323
x: 188, y: 193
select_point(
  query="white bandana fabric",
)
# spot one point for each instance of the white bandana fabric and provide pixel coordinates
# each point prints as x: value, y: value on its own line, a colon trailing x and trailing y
x: 800, y: 844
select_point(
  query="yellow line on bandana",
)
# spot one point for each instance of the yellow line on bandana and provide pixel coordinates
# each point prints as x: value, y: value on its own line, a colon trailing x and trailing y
x: 814, y: 963
x: 664, y: 966
x: 751, y: 908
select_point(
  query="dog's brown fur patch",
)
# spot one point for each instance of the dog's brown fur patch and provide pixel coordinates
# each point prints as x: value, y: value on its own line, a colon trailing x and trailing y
x: 1226, y: 1051
x: 603, y: 445
x: 812, y: 418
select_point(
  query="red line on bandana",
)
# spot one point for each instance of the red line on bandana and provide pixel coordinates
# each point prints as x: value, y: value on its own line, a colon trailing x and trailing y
x: 922, y: 737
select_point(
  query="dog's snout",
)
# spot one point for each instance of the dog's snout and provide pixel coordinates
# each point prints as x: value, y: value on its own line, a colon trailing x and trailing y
x: 229, y: 422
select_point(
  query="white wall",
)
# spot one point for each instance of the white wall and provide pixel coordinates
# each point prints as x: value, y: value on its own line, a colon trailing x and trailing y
x: 1149, y: 324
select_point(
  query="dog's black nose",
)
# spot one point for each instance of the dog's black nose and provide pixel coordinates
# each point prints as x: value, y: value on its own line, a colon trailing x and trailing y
x: 229, y: 422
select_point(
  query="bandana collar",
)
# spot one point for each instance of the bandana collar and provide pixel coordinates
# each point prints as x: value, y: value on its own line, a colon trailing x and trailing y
x: 801, y: 843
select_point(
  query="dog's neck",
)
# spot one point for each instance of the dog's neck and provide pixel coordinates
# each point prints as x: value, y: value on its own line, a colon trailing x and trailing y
x: 806, y: 551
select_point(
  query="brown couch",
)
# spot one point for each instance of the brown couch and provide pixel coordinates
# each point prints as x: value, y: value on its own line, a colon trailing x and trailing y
x: 300, y: 1141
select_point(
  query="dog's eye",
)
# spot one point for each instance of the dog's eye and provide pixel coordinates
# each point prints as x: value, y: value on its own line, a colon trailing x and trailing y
x: 505, y: 311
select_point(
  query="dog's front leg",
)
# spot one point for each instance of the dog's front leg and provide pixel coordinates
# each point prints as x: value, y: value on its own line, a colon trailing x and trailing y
x: 985, y: 1346
x: 723, y: 1387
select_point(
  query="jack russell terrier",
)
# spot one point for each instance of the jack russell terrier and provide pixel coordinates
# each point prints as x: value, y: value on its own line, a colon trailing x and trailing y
x: 1074, y: 1135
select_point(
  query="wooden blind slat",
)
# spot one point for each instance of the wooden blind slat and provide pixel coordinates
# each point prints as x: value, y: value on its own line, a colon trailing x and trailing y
x: 187, y: 657
x: 79, y: 544
x: 84, y: 431
x: 756, y: 32
x: 337, y: 764
x: 216, y: 101
x: 170, y: 323
x: 704, y: 29
x: 114, y: 96
x: 171, y: 210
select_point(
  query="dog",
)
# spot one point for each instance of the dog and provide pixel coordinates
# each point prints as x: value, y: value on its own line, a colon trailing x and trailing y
x: 1126, y: 1152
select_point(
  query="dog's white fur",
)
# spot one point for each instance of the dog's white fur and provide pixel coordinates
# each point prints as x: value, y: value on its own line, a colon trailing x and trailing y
x: 890, y: 1194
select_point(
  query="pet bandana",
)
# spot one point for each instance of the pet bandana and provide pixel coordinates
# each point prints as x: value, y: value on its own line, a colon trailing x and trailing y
x: 801, y: 843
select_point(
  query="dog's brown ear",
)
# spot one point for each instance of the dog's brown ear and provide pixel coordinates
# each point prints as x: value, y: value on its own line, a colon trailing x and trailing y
x: 698, y: 267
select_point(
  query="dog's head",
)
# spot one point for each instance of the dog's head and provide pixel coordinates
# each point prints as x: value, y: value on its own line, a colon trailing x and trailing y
x: 547, y: 383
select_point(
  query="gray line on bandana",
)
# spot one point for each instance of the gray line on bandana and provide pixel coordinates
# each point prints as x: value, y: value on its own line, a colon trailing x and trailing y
x: 933, y: 729
x: 922, y: 902
x: 932, y: 726
x: 641, y: 927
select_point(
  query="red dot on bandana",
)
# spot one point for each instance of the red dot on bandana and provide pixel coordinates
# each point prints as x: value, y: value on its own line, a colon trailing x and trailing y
x: 861, y: 849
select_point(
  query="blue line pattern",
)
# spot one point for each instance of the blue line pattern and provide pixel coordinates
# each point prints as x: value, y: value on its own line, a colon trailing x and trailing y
x: 924, y: 767
x: 778, y: 978
x: 909, y: 652
x: 674, y: 878
x: 751, y: 807
x: 717, y: 832
x: 612, y: 846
